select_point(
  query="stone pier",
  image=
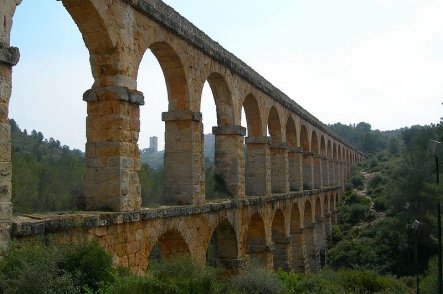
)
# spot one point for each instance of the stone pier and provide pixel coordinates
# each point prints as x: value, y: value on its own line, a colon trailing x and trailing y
x: 258, y: 166
x: 295, y: 164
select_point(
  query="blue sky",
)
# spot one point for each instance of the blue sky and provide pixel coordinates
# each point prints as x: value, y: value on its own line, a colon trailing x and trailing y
x: 379, y: 61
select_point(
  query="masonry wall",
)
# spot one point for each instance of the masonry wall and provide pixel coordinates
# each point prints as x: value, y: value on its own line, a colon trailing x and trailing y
x: 261, y: 229
x: 256, y: 170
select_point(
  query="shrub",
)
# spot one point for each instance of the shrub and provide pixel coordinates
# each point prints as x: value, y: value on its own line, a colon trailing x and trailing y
x: 55, y: 268
x: 139, y: 285
x: 343, y: 281
x: 357, y: 181
x: 257, y: 279
x: 89, y: 264
x: 429, y: 284
x: 354, y: 214
x: 380, y: 204
x: 31, y: 267
x: 373, y: 163
x: 182, y: 274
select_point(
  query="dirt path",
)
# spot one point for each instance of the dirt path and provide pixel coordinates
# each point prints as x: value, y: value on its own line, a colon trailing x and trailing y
x: 367, y: 177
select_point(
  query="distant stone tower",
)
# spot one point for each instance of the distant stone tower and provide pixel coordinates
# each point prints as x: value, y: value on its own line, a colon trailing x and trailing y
x: 153, y: 144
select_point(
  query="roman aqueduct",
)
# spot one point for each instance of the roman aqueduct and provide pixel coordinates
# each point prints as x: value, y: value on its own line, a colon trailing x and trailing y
x: 285, y: 171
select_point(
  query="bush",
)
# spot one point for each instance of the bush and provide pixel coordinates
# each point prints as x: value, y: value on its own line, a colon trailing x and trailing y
x: 30, y: 261
x: 53, y: 268
x: 429, y: 284
x: 181, y: 274
x: 375, y: 181
x: 357, y: 181
x: 343, y: 281
x: 89, y: 264
x: 380, y: 204
x: 256, y: 279
x: 354, y: 214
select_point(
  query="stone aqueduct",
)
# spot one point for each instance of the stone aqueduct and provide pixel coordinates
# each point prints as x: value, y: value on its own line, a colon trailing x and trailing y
x: 285, y: 176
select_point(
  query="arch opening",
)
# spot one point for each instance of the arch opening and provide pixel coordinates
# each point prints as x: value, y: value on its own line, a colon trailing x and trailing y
x: 317, y: 164
x: 169, y: 245
x: 281, y: 242
x: 151, y: 81
x: 294, y: 157
x: 216, y: 107
x: 256, y: 151
x: 39, y: 175
x: 222, y: 250
x: 278, y: 154
x: 256, y: 240
x: 308, y: 162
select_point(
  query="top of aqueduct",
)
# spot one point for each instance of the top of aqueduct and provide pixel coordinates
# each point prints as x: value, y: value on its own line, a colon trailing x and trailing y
x: 175, y: 22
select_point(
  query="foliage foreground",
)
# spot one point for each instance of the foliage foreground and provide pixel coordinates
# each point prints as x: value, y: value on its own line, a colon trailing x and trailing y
x: 35, y: 267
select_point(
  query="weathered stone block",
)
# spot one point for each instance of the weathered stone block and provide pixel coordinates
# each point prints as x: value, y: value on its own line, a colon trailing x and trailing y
x: 5, y: 211
x: 5, y: 191
x: 9, y: 55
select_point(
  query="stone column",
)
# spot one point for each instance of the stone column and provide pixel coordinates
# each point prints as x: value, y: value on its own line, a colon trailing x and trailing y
x: 295, y: 168
x: 317, y: 171
x: 342, y: 165
x: 112, y: 153
x: 184, y: 175
x: 279, y: 168
x: 312, y: 263
x: 337, y: 173
x: 9, y: 56
x: 331, y: 173
x: 229, y: 158
x: 325, y: 171
x: 258, y: 166
x: 298, y: 250
x: 308, y: 171
x: 281, y: 253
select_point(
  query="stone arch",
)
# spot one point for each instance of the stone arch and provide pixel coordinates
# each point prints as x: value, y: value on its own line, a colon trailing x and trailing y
x: 294, y: 157
x: 315, y: 147
x: 174, y: 73
x: 304, y: 139
x: 223, y: 99
x: 278, y: 154
x: 274, y: 126
x: 87, y: 16
x: 297, y: 255
x: 322, y: 146
x: 329, y: 149
x: 257, y: 171
x: 171, y: 243
x: 330, y: 161
x: 307, y: 160
x: 224, y: 181
x: 324, y: 163
x: 281, y: 243
x: 307, y: 214
x: 318, y: 209
x: 183, y: 130
x: 222, y: 249
x: 312, y: 261
x: 253, y: 118
x: 291, y: 133
x: 256, y: 240
x: 326, y: 205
